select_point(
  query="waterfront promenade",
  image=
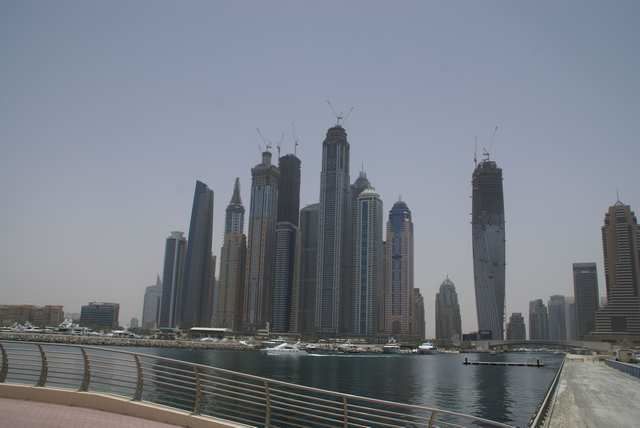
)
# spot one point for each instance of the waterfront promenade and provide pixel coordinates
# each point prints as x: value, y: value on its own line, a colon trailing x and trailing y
x: 28, y: 414
x: 591, y: 394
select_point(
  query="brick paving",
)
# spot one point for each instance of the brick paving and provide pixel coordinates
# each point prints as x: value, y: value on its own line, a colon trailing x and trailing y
x: 28, y: 414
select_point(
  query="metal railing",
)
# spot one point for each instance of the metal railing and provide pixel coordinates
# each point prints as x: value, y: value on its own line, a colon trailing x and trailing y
x: 630, y: 369
x: 541, y: 415
x: 210, y: 391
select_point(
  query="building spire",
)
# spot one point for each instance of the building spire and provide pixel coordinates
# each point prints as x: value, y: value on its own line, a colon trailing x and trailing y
x: 235, y: 198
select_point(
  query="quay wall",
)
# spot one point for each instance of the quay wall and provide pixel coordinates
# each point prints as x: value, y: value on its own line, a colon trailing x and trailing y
x: 631, y: 369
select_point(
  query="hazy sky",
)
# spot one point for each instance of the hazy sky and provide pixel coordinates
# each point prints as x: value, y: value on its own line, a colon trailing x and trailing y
x: 109, y: 112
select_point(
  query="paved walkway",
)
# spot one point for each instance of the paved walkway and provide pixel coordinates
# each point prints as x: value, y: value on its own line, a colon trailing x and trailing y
x: 28, y: 414
x: 591, y: 394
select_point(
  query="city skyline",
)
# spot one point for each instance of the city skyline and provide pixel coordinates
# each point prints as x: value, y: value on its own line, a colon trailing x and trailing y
x: 119, y: 161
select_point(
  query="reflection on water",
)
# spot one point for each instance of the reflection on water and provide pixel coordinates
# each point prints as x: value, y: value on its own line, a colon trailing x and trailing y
x: 507, y: 394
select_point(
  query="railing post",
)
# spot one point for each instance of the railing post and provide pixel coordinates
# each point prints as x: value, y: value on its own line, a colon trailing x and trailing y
x: 267, y: 416
x: 5, y: 364
x: 198, y: 400
x: 139, y: 381
x: 86, y: 377
x: 345, y: 421
x: 44, y: 369
x: 432, y: 418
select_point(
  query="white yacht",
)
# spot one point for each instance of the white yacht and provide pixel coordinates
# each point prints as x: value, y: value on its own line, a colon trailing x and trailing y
x: 391, y: 347
x: 427, y: 348
x: 285, y: 349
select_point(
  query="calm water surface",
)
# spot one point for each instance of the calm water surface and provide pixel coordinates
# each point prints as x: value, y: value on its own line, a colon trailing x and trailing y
x: 506, y: 394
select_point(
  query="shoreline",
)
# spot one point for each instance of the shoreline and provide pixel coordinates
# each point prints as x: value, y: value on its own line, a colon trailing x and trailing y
x: 116, y: 341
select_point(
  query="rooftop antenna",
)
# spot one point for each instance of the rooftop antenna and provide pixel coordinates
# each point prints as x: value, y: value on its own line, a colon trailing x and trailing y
x: 485, y: 153
x: 340, y: 116
x: 295, y: 138
x: 617, y: 195
x: 475, y: 152
x: 493, y: 137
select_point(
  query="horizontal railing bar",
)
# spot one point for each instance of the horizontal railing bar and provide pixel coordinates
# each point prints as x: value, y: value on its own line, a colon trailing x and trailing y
x: 60, y: 352
x: 338, y: 413
x: 349, y: 406
x: 355, y: 412
x: 339, y: 409
x: 287, y: 423
x: 176, y: 375
x: 209, y: 378
x: 25, y: 363
x: 107, y: 359
x: 248, y: 399
x: 49, y: 372
x: 238, y: 399
x: 375, y: 422
x: 117, y: 376
x: 324, y: 400
x: 216, y: 391
x: 244, y: 420
x: 95, y: 355
x: 29, y: 369
x: 37, y: 358
x: 110, y: 379
x: 219, y: 407
x: 155, y: 380
x: 169, y: 404
x: 179, y: 397
x: 315, y: 423
x: 146, y: 363
x: 222, y: 386
x: 313, y: 417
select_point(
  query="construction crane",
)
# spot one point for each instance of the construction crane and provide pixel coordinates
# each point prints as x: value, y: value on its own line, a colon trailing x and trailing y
x: 295, y: 138
x: 339, y: 116
x: 268, y: 143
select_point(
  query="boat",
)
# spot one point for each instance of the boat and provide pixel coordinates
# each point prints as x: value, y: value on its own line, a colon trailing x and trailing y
x: 427, y: 348
x: 285, y: 349
x: 391, y: 347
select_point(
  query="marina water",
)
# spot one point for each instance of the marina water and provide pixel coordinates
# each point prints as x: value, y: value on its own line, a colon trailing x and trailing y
x: 505, y: 394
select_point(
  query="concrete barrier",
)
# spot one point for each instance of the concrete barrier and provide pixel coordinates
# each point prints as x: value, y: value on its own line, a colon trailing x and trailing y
x: 113, y: 404
x: 632, y: 369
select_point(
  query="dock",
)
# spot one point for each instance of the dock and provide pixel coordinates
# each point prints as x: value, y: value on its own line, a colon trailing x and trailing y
x: 537, y: 363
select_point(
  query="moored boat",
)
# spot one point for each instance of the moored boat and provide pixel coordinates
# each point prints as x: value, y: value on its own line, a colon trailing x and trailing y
x: 427, y: 348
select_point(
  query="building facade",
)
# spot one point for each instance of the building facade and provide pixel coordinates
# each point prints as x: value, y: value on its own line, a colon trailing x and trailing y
x: 557, y: 318
x: 448, y: 321
x: 621, y: 247
x: 286, y: 239
x: 100, y: 316
x: 538, y: 320
x: 516, y: 329
x: 151, y: 305
x: 417, y: 327
x: 175, y: 251
x: 304, y: 292
x: 585, y: 290
x: 398, y: 270
x: 368, y: 266
x: 196, y: 297
x: 570, y: 317
x: 230, y: 296
x: 261, y: 244
x: 334, y: 224
x: 39, y: 316
x: 488, y: 236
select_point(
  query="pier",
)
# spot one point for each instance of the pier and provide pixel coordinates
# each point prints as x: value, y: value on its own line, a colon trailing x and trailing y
x: 537, y: 363
x: 591, y: 394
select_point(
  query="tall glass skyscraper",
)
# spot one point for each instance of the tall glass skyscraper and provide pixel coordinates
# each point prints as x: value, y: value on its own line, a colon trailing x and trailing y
x: 261, y: 244
x: 448, y: 321
x: 196, y: 303
x: 151, y: 306
x: 172, y: 279
x: 286, y: 237
x: 368, y: 267
x: 488, y: 237
x: 233, y: 254
x: 538, y: 320
x: 334, y: 221
x: 585, y: 290
x: 398, y: 270
x: 557, y: 318
x: 621, y: 246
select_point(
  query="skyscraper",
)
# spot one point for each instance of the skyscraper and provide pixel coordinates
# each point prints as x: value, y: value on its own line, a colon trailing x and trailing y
x: 538, y: 320
x: 350, y: 251
x: 172, y: 279
x: 151, y: 306
x: 557, y: 320
x: 515, y: 328
x: 261, y: 244
x: 304, y: 294
x: 621, y: 247
x: 334, y: 221
x: 417, y: 327
x: 570, y: 317
x: 286, y: 238
x: 233, y: 254
x: 585, y: 290
x: 448, y: 321
x: 196, y: 302
x: 489, y: 246
x: 368, y: 279
x: 100, y: 316
x: 398, y: 270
